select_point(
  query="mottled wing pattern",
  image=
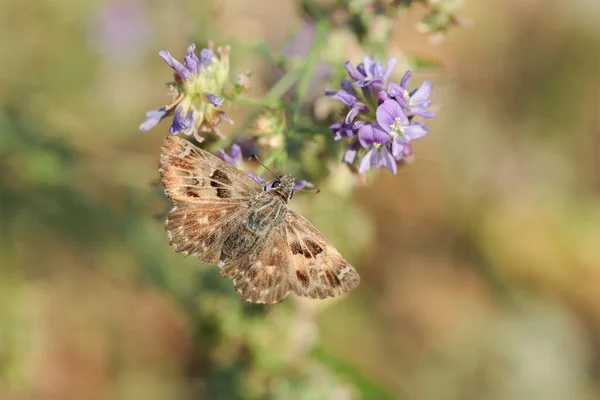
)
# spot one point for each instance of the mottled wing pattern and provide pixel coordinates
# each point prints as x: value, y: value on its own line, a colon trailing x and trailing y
x: 192, y: 175
x: 201, y: 230
x: 209, y: 195
x: 261, y: 276
x: 317, y: 270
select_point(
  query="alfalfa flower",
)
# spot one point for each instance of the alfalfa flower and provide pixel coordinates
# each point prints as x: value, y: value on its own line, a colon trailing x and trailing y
x: 197, y: 91
x: 382, y: 120
x: 376, y: 140
x: 392, y: 120
x: 415, y: 102
x: 371, y: 73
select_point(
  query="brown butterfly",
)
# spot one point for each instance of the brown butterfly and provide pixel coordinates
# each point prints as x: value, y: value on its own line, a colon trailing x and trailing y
x: 223, y: 216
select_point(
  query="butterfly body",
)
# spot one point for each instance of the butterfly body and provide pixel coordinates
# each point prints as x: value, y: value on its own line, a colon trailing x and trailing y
x: 222, y: 216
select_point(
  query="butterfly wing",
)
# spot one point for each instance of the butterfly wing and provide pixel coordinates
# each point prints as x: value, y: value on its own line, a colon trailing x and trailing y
x: 317, y: 270
x: 261, y: 276
x: 210, y: 196
x: 191, y: 175
x: 201, y: 230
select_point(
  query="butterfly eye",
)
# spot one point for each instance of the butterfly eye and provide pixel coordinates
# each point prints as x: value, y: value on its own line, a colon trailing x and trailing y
x: 275, y: 184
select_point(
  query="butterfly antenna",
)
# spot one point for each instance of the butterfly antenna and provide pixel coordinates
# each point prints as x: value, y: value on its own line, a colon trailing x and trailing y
x: 255, y: 157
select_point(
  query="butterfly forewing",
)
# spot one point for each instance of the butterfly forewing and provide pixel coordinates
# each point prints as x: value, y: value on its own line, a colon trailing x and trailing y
x: 192, y: 175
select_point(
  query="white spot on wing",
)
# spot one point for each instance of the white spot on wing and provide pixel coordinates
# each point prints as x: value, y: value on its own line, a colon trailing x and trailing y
x: 343, y: 273
x: 186, y: 152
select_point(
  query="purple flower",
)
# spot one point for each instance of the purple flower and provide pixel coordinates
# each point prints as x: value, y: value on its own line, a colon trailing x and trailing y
x: 301, y: 184
x: 381, y: 119
x: 351, y: 152
x: 376, y: 140
x: 396, y: 124
x: 153, y: 117
x: 183, y: 122
x: 198, y: 81
x: 182, y: 71
x: 234, y: 157
x: 415, y: 103
x: 346, y: 94
x: 216, y: 101
x: 370, y: 72
x: 257, y: 179
x: 348, y: 127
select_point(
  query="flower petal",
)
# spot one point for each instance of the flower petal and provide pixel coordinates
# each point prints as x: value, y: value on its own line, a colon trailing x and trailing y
x: 368, y: 161
x: 421, y: 94
x: 397, y: 146
x: 176, y: 65
x: 182, y: 122
x: 350, y: 153
x: 343, y: 96
x: 301, y: 184
x: 416, y: 130
x: 224, y: 156
x: 395, y: 90
x: 422, y: 112
x: 256, y: 178
x: 369, y: 65
x: 387, y: 160
x: 387, y: 112
x: 152, y: 119
x: 405, y: 80
x: 354, y: 74
x: 353, y: 113
x: 382, y: 96
x: 214, y: 99
x: 236, y: 152
x: 190, y: 60
x: 206, y: 56
x: 347, y: 86
x: 390, y: 67
x: 368, y: 135
x: 369, y: 82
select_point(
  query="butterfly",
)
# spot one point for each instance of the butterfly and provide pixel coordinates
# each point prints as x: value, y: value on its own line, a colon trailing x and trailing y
x: 224, y: 217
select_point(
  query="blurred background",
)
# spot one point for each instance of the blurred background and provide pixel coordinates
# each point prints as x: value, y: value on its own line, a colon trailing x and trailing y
x: 480, y: 261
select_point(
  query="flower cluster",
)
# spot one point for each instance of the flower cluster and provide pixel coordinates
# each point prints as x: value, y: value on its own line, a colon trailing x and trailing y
x: 195, y: 93
x: 379, y: 115
x: 236, y: 158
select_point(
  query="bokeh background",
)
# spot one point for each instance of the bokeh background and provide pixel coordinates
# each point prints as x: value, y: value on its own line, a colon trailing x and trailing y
x: 480, y: 261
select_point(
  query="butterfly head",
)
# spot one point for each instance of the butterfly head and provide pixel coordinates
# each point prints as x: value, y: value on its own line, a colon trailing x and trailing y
x: 283, y: 188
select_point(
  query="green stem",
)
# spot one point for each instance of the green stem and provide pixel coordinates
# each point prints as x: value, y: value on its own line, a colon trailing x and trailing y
x: 253, y: 101
x: 315, y: 129
x: 283, y: 85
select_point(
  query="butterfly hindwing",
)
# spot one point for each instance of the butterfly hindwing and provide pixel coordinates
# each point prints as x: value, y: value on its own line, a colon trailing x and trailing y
x: 261, y: 276
x: 202, y: 229
x: 317, y: 270
x: 192, y: 175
